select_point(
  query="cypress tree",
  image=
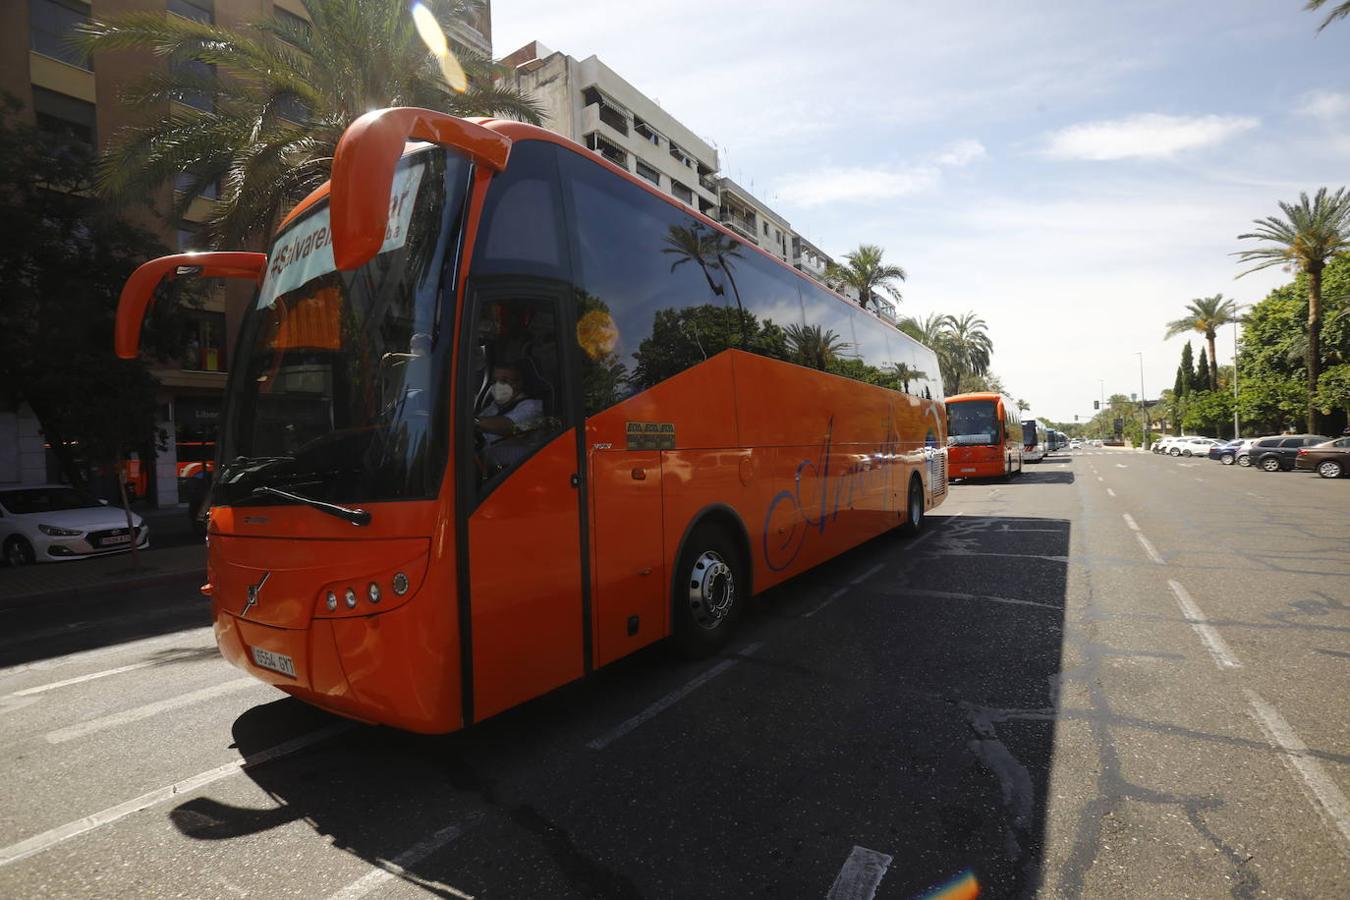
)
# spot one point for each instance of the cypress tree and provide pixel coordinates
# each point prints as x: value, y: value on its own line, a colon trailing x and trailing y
x: 1187, y: 373
x: 1202, y: 372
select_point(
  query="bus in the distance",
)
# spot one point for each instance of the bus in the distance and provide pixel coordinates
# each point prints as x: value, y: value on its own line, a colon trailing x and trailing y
x: 1034, y: 440
x: 501, y: 413
x: 985, y: 436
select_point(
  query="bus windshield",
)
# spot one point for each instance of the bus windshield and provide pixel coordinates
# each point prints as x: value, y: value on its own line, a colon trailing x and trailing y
x: 973, y: 422
x: 337, y: 391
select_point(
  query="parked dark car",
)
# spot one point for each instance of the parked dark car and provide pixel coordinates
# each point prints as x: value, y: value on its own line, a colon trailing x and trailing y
x: 1226, y: 452
x: 1277, y: 454
x: 1330, y: 460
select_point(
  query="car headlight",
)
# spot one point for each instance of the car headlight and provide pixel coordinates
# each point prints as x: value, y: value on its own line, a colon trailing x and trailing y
x: 58, y: 532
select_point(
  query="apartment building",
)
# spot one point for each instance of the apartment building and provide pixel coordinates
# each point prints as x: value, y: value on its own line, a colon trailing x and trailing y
x: 63, y: 90
x: 753, y: 220
x: 591, y: 104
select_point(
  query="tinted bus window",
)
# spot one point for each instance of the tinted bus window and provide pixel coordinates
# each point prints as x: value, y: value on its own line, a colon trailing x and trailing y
x: 771, y: 301
x: 828, y: 335
x: 521, y: 234
x: 652, y: 299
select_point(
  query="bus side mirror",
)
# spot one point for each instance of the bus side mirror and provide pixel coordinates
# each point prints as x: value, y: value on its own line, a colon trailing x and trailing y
x: 364, y: 164
x: 143, y: 283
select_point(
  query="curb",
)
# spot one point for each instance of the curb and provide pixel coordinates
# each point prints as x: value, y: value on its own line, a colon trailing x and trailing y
x: 63, y: 594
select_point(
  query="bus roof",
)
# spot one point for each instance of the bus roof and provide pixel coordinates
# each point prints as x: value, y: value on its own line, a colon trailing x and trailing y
x: 521, y: 131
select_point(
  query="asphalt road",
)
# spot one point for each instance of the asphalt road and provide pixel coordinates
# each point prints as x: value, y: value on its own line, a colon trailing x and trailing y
x: 1119, y: 675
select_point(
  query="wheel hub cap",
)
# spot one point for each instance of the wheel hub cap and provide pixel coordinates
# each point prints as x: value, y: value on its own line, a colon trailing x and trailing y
x: 712, y: 590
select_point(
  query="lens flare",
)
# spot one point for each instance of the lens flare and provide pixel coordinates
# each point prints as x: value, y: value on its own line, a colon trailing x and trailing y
x: 429, y: 30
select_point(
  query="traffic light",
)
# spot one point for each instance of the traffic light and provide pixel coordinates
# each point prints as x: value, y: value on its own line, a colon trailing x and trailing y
x: 1075, y: 417
x: 1096, y: 404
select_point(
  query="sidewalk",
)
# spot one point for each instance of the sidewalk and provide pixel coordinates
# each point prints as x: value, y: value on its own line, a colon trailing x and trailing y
x: 58, y: 581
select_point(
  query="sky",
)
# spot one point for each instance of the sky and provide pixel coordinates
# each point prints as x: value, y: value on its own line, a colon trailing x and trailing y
x: 1074, y: 172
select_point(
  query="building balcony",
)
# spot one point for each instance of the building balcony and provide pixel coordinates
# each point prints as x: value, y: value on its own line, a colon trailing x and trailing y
x: 741, y: 225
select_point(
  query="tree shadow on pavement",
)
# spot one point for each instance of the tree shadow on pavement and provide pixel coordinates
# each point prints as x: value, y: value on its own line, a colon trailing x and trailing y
x: 912, y: 715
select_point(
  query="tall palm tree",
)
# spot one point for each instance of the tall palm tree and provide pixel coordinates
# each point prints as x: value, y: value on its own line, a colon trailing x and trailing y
x: 1206, y: 315
x: 970, y: 347
x: 286, y: 92
x: 1337, y: 12
x: 865, y: 273
x: 813, y: 346
x: 1309, y: 235
x: 934, y: 332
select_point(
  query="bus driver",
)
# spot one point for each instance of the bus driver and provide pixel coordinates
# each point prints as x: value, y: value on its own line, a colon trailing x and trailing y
x: 507, y: 415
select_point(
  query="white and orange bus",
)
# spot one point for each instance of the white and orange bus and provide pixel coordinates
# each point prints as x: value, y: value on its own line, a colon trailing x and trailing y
x: 985, y: 434
x: 500, y: 414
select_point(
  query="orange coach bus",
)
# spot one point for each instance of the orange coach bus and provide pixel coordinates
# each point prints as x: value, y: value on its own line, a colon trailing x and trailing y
x: 984, y: 432
x: 501, y: 413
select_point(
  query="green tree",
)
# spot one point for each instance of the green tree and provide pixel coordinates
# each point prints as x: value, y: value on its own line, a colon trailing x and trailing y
x: 1337, y: 12
x: 970, y: 350
x: 286, y: 92
x: 1333, y: 391
x: 63, y: 260
x: 1208, y: 412
x: 1311, y: 233
x: 1202, y: 373
x: 865, y: 273
x: 1205, y: 315
x: 1271, y: 404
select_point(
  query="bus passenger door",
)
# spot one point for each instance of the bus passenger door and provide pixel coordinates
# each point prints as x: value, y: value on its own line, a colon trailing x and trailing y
x: 520, y: 488
x: 629, y: 579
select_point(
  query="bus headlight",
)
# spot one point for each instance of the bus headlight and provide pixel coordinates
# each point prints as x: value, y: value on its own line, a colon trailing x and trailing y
x: 331, y: 602
x: 374, y: 592
x: 351, y: 599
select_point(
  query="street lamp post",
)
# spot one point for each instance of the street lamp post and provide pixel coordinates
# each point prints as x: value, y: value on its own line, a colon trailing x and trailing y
x: 1143, y: 435
x: 1101, y: 386
x: 1236, y: 428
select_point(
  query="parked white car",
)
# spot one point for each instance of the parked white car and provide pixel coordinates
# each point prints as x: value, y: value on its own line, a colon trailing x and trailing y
x: 53, y: 522
x: 1075, y: 443
x: 1196, y: 446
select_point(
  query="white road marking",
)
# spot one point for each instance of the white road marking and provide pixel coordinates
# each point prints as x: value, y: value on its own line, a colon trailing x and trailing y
x: 669, y: 700
x: 1196, y: 618
x: 826, y: 602
x: 1327, y: 797
x: 127, y: 716
x: 868, y: 574
x: 128, y: 647
x: 1100, y: 478
x: 861, y: 875
x: 1152, y: 551
x: 388, y: 870
x: 1129, y: 520
x: 80, y: 679
x: 956, y: 595
x: 48, y: 839
x: 1111, y: 492
x: 1121, y: 466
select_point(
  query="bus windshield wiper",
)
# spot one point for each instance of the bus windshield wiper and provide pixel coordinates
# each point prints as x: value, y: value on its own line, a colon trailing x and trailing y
x: 355, y: 516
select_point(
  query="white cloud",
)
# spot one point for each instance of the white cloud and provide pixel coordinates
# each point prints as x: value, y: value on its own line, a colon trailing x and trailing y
x: 870, y: 183
x: 1146, y: 136
x: 855, y: 183
x: 1325, y: 105
x: 962, y: 153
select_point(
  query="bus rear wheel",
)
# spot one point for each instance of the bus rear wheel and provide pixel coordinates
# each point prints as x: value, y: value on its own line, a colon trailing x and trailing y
x: 709, y: 593
x: 913, y: 509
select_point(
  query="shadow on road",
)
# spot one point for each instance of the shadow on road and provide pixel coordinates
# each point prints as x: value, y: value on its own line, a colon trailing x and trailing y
x: 914, y: 715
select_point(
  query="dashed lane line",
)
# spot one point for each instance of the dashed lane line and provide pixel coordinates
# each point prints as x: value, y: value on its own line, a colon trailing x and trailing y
x: 1151, y: 550
x: 1111, y: 492
x: 861, y: 875
x: 1129, y: 520
x: 80, y: 679
x: 824, y: 603
x: 1195, y: 617
x: 129, y: 647
x: 670, y: 699
x: 388, y: 870
x: 1325, y: 795
x: 48, y: 839
x: 135, y: 714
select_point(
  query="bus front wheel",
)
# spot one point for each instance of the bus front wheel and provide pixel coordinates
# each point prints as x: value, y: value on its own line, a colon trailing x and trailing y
x: 913, y: 509
x: 710, y: 591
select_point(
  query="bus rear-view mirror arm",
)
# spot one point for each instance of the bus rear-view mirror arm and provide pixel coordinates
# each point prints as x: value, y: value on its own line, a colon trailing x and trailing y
x: 143, y: 283
x: 364, y: 164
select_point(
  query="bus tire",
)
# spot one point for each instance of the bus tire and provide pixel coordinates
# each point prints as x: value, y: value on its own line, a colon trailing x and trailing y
x: 913, y: 508
x: 710, y: 591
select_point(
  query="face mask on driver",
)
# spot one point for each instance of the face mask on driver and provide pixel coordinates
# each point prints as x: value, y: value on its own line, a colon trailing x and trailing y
x: 502, y: 392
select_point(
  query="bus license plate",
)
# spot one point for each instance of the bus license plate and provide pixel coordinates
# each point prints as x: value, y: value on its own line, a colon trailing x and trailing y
x: 277, y: 662
x: 968, y: 469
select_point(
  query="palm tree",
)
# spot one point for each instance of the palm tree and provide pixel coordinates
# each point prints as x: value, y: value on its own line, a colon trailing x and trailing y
x: 1206, y: 315
x: 865, y: 273
x: 712, y: 251
x: 1023, y: 406
x: 1309, y: 235
x: 1338, y: 12
x: 970, y: 347
x: 269, y: 124
x: 934, y: 332
x: 813, y: 346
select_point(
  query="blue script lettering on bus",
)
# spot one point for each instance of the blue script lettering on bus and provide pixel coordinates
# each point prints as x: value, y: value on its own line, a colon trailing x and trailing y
x: 836, y: 491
